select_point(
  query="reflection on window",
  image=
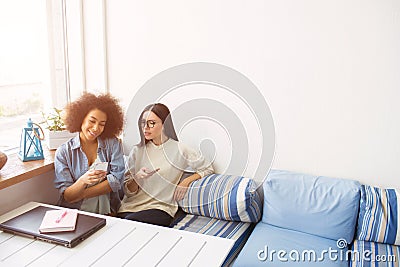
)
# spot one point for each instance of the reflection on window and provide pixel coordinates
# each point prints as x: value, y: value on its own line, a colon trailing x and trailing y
x: 24, y: 67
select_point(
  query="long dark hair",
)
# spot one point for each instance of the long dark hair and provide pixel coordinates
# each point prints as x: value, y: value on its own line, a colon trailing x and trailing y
x: 163, y: 113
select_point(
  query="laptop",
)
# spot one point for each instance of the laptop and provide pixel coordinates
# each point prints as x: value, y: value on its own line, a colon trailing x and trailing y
x: 27, y: 224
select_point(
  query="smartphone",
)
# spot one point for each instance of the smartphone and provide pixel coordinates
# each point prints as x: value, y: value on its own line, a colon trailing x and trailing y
x: 154, y: 171
x: 101, y: 166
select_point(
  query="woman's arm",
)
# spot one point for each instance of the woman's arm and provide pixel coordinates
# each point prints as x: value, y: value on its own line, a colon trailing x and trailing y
x: 144, y: 173
x: 79, y: 190
x: 115, y: 156
x: 74, y: 193
x: 69, y: 187
x: 188, y: 180
x: 113, y: 180
x: 97, y: 190
x: 74, y: 190
x: 182, y: 187
x: 197, y: 162
x: 132, y: 186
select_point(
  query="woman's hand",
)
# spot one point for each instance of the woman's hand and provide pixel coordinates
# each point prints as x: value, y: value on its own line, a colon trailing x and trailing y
x: 79, y: 190
x: 134, y: 183
x: 144, y: 173
x: 181, y: 189
x: 92, y: 177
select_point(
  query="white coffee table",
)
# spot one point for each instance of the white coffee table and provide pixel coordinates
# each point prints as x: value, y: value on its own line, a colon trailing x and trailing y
x: 119, y: 243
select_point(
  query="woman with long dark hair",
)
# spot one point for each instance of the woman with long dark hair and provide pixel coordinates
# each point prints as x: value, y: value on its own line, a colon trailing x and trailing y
x: 155, y: 166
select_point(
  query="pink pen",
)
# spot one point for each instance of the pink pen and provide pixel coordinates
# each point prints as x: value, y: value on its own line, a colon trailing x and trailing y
x: 61, y: 216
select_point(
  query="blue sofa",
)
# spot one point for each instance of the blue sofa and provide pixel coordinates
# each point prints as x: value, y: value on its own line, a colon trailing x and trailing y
x: 221, y: 205
x: 301, y: 220
x: 307, y: 221
x: 377, y: 238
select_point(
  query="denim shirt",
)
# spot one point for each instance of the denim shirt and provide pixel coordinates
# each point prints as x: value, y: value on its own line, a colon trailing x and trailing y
x: 71, y: 163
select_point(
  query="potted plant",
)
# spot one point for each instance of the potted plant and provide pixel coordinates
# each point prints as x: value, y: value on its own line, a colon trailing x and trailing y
x: 56, y: 133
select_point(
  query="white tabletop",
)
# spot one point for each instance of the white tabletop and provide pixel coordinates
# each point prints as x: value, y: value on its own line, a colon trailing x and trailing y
x: 119, y: 243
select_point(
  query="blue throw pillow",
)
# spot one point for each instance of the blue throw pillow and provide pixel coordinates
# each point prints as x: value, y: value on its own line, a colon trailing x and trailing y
x: 226, y: 197
x: 379, y: 217
x: 322, y: 206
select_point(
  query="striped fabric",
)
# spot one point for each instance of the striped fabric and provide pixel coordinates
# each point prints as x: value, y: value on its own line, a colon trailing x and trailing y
x: 378, y: 219
x: 225, y: 197
x: 238, y: 231
x: 371, y: 254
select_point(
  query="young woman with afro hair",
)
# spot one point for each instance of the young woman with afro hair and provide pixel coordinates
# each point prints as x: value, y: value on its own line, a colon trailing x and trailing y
x: 98, y: 120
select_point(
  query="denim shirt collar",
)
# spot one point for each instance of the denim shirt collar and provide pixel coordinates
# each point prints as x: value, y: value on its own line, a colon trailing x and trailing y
x: 76, y: 142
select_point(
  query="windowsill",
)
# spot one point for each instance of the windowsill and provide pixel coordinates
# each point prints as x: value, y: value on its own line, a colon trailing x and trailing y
x: 16, y: 171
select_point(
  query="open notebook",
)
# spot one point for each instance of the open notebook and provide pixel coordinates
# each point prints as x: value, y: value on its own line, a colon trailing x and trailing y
x: 28, y: 223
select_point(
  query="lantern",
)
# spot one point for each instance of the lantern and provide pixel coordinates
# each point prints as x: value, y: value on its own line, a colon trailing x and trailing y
x: 30, y: 147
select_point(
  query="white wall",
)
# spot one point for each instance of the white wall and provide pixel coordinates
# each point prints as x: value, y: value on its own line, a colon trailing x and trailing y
x: 39, y: 188
x: 328, y: 69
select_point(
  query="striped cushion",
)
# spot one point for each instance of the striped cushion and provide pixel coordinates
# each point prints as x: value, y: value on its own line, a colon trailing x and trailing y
x: 238, y: 231
x: 378, y: 220
x: 226, y: 197
x: 371, y: 254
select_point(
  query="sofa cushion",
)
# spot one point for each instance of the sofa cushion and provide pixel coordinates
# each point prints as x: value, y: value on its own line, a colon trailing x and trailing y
x: 224, y: 197
x: 264, y: 246
x: 323, y: 206
x: 238, y: 231
x: 379, y: 217
x: 365, y: 254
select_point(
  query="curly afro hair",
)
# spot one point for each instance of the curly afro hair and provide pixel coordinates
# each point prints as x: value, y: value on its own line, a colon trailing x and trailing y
x: 77, y: 110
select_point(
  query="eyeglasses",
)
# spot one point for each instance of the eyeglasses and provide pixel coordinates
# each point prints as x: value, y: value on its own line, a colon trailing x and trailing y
x: 149, y: 123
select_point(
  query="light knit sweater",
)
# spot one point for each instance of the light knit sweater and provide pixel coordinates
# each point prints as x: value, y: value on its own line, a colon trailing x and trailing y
x: 157, y: 191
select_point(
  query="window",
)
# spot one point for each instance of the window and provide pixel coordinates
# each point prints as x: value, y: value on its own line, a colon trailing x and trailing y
x: 24, y: 67
x: 43, y: 60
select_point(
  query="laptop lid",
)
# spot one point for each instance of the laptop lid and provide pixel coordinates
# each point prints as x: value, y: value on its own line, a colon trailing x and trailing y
x: 27, y: 224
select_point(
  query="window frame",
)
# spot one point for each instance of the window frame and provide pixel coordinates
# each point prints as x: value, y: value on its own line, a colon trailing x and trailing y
x: 57, y: 57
